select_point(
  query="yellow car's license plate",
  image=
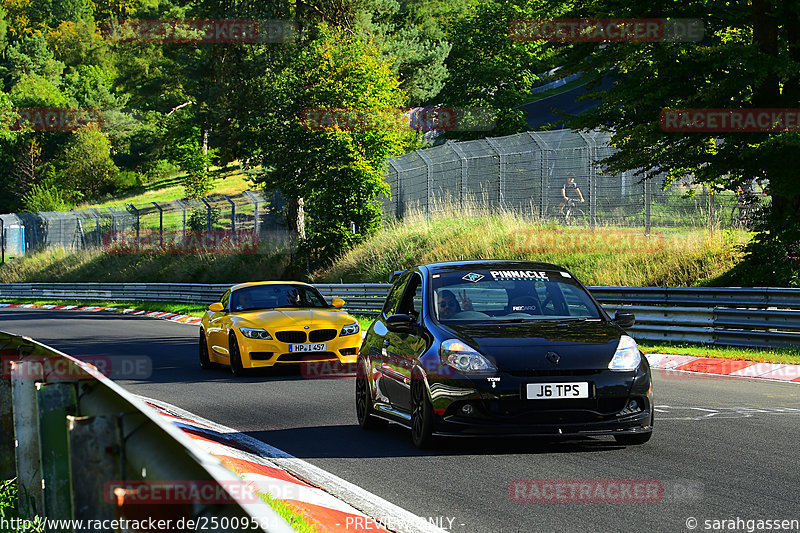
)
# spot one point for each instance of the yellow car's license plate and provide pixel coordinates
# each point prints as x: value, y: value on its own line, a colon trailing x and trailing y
x: 314, y: 347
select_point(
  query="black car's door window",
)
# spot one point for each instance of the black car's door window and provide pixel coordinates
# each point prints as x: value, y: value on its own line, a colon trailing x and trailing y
x: 411, y: 303
x: 403, y: 348
x: 395, y: 295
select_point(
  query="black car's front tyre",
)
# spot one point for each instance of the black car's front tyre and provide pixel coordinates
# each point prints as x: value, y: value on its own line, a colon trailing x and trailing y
x: 633, y: 439
x: 205, y: 361
x: 421, y: 414
x: 235, y: 356
x: 366, y: 419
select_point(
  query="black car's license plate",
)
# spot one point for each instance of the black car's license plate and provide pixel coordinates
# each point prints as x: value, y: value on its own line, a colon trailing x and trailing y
x: 556, y: 391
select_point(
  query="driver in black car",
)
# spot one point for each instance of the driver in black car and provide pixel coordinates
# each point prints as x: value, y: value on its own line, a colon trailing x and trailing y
x: 449, y: 306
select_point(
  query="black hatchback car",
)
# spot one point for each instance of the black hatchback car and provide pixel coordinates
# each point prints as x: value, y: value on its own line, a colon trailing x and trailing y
x: 501, y: 347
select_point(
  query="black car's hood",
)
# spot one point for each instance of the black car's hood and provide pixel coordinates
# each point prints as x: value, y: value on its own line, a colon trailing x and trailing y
x: 581, y: 344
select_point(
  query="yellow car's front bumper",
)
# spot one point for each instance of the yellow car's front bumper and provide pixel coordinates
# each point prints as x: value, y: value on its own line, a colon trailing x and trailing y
x: 258, y: 353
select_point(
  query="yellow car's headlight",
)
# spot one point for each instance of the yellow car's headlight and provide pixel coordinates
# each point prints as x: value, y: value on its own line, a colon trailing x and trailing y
x: 350, y: 329
x: 255, y: 333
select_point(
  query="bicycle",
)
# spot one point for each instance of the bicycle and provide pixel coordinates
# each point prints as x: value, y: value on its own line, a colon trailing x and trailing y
x: 573, y: 214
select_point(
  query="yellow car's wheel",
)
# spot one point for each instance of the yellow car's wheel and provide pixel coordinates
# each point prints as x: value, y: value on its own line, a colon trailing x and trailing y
x: 236, y: 357
x: 205, y: 361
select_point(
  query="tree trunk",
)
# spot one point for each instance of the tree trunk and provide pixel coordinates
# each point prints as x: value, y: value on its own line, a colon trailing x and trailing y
x: 297, y: 217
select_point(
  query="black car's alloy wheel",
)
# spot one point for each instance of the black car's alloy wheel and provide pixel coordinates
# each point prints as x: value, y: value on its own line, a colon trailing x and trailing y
x: 205, y: 362
x: 364, y: 402
x: 421, y: 415
x: 236, y: 358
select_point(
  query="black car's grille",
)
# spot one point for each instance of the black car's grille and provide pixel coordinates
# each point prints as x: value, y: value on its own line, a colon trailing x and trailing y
x: 322, y: 335
x: 552, y: 373
x: 306, y: 356
x: 554, y: 411
x: 291, y: 337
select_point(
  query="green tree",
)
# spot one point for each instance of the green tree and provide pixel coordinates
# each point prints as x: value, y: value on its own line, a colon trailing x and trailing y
x: 748, y: 58
x: 86, y: 164
x: 489, y: 70
x: 335, y: 175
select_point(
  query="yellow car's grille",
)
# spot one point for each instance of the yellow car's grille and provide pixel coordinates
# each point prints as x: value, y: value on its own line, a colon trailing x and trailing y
x: 321, y: 335
x: 313, y: 356
x: 291, y: 336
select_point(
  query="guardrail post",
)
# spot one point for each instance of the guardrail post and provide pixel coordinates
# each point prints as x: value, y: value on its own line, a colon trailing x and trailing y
x: 24, y: 374
x: 8, y: 469
x: 55, y: 402
x: 94, y: 458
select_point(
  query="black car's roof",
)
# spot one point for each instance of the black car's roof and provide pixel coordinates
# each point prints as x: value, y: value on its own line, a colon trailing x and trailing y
x: 502, y: 263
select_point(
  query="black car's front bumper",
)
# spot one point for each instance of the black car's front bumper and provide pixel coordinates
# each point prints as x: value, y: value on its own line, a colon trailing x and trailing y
x: 618, y: 403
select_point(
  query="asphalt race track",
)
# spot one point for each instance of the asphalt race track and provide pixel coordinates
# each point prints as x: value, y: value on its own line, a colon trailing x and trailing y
x: 723, y: 448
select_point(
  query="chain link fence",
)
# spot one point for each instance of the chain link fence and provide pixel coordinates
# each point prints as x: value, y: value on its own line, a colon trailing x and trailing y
x: 526, y: 173
x: 219, y: 223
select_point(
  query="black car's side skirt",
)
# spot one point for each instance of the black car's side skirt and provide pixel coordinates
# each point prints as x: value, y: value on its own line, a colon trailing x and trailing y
x: 388, y: 412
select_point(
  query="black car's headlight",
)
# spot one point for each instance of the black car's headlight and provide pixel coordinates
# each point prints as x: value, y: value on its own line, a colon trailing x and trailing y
x: 627, y: 357
x: 464, y: 358
x: 255, y: 333
x: 350, y: 329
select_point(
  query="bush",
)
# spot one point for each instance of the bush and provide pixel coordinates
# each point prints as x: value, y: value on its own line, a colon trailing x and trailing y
x: 198, y: 218
x: 87, y: 164
x: 126, y: 180
x: 44, y: 197
x: 158, y: 170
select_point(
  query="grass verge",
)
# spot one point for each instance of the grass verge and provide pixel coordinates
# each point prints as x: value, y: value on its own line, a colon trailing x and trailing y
x: 293, y: 517
x: 605, y: 256
x: 227, y: 180
x: 761, y: 355
x: 61, y: 266
x: 180, y: 308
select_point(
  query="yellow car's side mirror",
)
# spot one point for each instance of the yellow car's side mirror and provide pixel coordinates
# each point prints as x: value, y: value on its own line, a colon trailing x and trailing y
x: 216, y: 307
x: 337, y: 302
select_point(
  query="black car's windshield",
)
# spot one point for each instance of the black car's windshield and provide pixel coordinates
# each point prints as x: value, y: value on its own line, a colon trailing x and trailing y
x: 510, y: 295
x: 272, y: 296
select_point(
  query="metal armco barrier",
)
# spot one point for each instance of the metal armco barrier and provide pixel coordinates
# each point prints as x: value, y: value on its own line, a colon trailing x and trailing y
x: 78, y: 436
x: 766, y: 317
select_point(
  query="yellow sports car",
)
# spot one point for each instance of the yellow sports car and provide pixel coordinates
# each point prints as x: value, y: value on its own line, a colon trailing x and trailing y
x: 261, y: 324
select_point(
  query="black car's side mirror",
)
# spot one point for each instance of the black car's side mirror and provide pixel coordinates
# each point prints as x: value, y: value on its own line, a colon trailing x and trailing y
x: 400, y: 323
x: 624, y: 319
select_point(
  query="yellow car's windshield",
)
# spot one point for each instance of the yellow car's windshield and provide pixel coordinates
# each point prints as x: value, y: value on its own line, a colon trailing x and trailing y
x: 274, y: 296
